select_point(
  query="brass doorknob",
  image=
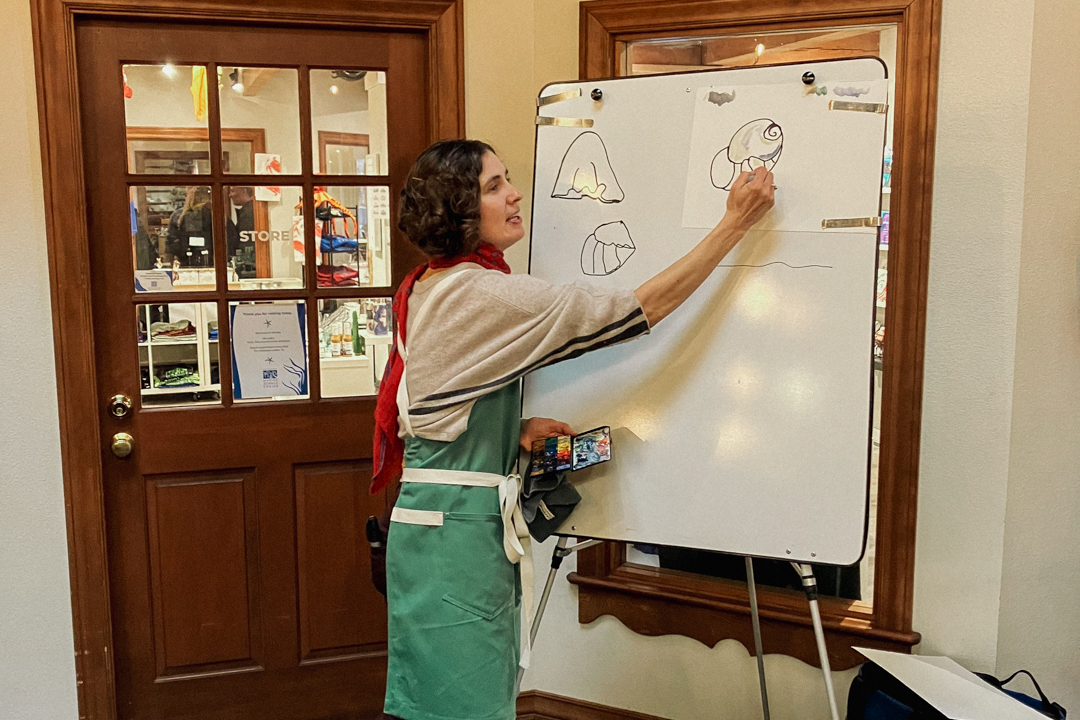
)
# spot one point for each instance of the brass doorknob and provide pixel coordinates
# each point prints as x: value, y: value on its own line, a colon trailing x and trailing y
x: 122, y: 444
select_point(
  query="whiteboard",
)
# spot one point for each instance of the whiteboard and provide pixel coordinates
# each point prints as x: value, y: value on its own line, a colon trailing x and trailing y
x: 742, y: 423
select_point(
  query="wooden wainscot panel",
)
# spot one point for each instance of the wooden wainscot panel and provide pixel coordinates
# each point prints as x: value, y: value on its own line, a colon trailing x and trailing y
x: 342, y: 616
x: 202, y: 532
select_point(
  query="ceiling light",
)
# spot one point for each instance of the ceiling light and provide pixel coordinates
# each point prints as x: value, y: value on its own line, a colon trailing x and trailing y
x: 759, y: 49
x: 169, y: 69
x: 333, y: 89
x: 234, y: 76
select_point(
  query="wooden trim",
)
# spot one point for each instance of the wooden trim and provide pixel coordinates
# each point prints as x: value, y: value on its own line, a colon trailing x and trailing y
x: 659, y: 602
x: 54, y: 23
x: 538, y: 705
x: 328, y: 137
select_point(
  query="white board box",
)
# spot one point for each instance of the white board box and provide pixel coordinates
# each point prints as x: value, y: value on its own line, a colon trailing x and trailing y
x: 743, y: 422
x: 953, y: 691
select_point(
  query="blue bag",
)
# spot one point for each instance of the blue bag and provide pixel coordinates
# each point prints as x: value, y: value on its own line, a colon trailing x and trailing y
x: 877, y: 695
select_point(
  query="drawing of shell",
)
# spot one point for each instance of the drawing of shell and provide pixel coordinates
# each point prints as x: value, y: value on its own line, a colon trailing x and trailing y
x: 607, y: 249
x: 756, y: 144
x: 586, y: 172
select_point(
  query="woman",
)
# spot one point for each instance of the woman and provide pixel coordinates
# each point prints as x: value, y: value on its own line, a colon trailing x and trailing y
x: 467, y: 332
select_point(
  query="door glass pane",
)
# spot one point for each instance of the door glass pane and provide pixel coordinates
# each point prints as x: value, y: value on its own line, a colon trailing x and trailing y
x: 269, y: 350
x: 165, y: 108
x: 178, y: 353
x: 348, y: 122
x: 265, y: 237
x: 354, y: 344
x: 353, y: 236
x: 172, y: 235
x: 260, y: 120
x: 730, y: 51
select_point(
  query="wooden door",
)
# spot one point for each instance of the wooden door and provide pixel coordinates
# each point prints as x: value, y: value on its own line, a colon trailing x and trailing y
x: 238, y: 571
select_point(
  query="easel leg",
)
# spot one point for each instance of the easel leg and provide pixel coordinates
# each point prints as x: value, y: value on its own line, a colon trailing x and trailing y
x: 757, y: 635
x: 806, y: 572
x: 561, y: 551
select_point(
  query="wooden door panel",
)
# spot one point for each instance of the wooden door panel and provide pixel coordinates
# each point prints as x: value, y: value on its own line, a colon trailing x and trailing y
x: 322, y: 432
x: 205, y: 594
x: 333, y: 566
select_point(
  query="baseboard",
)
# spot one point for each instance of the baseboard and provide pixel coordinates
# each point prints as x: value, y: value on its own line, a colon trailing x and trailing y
x: 536, y: 705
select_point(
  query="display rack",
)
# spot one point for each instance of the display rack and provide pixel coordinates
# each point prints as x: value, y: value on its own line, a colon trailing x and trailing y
x: 198, y: 352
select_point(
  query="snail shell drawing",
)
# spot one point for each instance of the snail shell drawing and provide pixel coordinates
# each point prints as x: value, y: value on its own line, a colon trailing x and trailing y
x: 756, y: 144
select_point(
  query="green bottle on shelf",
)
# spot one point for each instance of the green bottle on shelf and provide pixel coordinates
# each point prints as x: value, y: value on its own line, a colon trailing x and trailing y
x: 357, y: 338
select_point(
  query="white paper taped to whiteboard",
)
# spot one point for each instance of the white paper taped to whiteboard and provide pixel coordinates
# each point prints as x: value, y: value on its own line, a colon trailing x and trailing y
x: 794, y: 134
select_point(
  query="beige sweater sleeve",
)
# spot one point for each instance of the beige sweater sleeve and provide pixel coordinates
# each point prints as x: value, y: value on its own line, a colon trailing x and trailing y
x: 490, y: 329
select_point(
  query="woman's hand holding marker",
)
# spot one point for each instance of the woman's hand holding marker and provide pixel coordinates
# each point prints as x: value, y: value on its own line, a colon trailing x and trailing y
x: 750, y: 198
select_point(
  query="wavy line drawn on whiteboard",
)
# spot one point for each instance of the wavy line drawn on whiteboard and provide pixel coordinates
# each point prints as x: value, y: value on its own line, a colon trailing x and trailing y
x: 607, y: 249
x: 586, y: 171
x: 756, y: 144
x: 778, y: 262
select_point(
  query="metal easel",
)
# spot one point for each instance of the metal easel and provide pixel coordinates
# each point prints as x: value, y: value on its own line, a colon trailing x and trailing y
x: 561, y: 552
x: 809, y: 583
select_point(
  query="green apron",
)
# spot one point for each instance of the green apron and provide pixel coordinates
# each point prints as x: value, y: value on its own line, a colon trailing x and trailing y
x: 454, y: 596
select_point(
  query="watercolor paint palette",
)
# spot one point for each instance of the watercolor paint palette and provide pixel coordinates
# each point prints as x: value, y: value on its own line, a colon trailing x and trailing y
x: 567, y: 452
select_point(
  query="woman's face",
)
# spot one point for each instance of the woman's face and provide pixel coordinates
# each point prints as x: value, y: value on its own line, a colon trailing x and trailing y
x: 500, y: 211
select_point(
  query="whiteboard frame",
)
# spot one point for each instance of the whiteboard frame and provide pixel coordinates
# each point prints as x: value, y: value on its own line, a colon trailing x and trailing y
x: 562, y: 531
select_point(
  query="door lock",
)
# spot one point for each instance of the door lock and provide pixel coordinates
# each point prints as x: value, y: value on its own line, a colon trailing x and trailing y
x: 122, y: 445
x: 119, y: 405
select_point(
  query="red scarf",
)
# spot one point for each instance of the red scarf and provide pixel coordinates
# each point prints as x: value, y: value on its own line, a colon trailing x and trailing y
x: 389, y: 448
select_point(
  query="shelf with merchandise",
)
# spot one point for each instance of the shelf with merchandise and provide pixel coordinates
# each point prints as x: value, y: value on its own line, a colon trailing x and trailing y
x: 183, y: 368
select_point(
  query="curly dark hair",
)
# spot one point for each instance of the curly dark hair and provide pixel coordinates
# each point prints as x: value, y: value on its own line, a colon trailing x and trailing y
x: 440, y: 205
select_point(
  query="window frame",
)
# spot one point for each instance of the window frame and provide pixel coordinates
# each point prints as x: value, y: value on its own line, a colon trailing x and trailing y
x: 654, y: 601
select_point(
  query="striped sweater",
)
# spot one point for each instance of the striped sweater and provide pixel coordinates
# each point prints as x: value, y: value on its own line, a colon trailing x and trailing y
x: 489, y: 329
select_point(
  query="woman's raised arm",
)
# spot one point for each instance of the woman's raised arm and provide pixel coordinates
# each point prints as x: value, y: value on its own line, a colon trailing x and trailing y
x: 750, y: 198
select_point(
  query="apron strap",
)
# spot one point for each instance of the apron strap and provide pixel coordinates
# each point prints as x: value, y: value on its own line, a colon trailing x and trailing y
x: 518, y: 547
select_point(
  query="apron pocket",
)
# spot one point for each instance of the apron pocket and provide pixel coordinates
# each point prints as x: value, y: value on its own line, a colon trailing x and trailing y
x: 478, y: 577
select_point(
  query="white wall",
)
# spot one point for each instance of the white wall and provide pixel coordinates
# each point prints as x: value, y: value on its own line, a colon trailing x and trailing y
x: 1039, y: 624
x: 37, y: 665
x: 980, y: 522
x: 971, y: 325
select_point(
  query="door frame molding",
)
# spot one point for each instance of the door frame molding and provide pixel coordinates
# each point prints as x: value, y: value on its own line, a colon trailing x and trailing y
x: 67, y: 238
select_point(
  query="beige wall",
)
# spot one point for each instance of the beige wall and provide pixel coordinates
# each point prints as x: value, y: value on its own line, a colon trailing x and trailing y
x: 1039, y: 626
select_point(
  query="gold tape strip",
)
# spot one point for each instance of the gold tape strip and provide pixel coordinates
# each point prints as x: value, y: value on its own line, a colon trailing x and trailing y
x: 868, y: 222
x: 558, y: 97
x: 879, y: 108
x: 564, y: 122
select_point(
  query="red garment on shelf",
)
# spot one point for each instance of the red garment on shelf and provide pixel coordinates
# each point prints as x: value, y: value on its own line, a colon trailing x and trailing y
x: 337, y: 276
